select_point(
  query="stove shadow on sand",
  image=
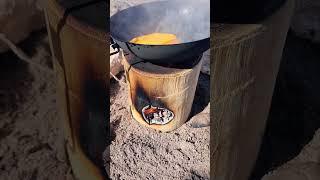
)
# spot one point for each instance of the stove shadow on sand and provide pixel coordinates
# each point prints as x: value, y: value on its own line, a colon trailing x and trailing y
x: 202, y: 95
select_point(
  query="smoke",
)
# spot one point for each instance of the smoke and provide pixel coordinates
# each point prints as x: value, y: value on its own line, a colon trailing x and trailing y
x: 189, y: 20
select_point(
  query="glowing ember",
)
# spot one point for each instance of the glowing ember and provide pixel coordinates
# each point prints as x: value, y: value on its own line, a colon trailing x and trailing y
x: 156, y: 39
x: 157, y: 115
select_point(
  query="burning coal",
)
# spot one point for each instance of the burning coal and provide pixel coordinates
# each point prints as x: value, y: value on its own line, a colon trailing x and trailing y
x: 157, y: 115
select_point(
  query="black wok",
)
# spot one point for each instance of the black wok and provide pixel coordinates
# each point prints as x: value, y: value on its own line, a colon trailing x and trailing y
x: 189, y: 20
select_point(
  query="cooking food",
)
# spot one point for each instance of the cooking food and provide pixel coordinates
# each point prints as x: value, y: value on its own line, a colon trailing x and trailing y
x: 156, y: 39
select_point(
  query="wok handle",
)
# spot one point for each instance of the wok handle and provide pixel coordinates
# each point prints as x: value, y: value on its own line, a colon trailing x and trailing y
x: 115, y: 46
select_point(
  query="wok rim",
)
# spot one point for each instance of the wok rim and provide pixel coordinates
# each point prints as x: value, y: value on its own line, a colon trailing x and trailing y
x: 151, y: 45
x: 162, y: 45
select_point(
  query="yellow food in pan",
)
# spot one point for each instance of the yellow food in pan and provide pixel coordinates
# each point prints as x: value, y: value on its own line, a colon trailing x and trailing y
x: 156, y: 39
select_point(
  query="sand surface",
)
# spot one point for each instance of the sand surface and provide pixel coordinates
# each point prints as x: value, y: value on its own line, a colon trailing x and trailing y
x: 31, y: 141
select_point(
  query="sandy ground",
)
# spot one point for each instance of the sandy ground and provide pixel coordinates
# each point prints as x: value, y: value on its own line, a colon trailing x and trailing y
x: 31, y: 142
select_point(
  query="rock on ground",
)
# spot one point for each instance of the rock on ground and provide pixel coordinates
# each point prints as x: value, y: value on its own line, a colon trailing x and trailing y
x: 205, y: 68
x: 115, y: 63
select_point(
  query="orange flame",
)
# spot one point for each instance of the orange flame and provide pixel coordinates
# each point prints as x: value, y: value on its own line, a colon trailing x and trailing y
x: 150, y: 110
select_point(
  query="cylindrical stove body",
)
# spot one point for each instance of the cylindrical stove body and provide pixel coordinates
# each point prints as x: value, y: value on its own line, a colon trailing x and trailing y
x: 80, y: 56
x: 160, y: 97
